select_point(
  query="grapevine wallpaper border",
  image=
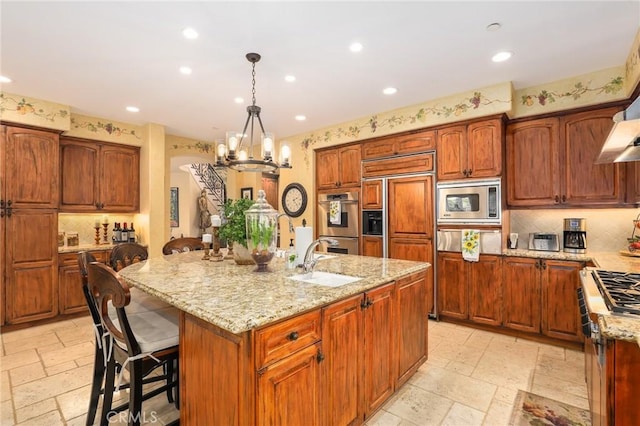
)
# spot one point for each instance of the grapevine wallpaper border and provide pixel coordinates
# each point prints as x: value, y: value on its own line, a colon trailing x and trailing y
x: 21, y: 106
x: 579, y: 89
x: 108, y: 127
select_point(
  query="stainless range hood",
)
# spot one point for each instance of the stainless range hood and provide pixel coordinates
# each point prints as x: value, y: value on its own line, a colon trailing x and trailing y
x: 623, y: 142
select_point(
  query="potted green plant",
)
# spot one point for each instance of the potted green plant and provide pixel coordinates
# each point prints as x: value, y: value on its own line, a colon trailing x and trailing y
x: 234, y: 229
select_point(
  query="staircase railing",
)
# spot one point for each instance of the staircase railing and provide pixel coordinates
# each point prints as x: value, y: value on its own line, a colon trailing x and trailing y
x: 214, y: 181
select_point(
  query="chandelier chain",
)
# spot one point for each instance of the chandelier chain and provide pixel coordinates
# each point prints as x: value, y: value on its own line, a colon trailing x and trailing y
x: 253, y: 83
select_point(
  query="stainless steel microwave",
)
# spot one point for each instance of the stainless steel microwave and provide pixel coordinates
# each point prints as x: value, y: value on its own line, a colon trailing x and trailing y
x: 469, y: 202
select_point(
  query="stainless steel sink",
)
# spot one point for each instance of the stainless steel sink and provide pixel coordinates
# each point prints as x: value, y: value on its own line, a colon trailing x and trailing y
x: 327, y: 279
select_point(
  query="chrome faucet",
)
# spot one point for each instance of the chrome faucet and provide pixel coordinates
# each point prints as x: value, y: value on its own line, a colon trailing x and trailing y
x: 291, y: 229
x: 309, y: 262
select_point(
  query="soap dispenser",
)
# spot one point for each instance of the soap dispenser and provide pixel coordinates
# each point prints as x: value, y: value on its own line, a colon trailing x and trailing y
x: 291, y: 255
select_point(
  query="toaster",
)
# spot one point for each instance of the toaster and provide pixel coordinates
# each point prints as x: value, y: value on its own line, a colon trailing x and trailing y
x: 544, y: 242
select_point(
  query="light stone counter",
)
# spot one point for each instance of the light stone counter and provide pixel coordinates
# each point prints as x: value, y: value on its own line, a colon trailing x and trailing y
x: 238, y: 299
x: 81, y: 247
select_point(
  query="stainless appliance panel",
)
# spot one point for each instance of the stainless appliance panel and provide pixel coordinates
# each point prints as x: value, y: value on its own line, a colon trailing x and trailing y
x: 349, y: 224
x: 451, y: 240
x: 345, y: 245
x: 469, y: 202
x: 544, y: 242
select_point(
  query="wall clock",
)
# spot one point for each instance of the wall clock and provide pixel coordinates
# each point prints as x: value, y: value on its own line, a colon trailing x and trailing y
x: 294, y: 199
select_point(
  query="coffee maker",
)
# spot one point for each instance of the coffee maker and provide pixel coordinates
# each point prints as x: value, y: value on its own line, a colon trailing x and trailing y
x: 575, y: 235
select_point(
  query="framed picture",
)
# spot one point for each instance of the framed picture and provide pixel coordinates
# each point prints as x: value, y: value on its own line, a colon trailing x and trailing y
x: 174, y: 208
x: 246, y: 193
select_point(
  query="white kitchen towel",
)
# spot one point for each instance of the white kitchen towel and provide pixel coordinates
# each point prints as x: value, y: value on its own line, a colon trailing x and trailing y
x: 335, y: 212
x: 470, y: 245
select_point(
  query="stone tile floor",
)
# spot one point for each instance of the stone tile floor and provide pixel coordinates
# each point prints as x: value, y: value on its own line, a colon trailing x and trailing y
x: 471, y: 378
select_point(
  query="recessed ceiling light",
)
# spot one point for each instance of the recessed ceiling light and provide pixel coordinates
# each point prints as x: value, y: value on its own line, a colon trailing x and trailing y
x: 301, y: 117
x: 355, y: 47
x: 501, y: 56
x: 494, y: 27
x: 238, y: 100
x: 133, y: 109
x: 4, y: 79
x: 190, y: 33
x: 185, y: 70
x: 290, y: 78
x: 390, y: 91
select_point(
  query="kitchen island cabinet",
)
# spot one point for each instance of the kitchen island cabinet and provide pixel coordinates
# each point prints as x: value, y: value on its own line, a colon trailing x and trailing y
x: 254, y: 356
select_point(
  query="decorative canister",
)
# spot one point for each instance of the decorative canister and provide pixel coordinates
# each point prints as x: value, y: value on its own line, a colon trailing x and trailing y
x: 262, y: 231
x: 61, y: 238
x: 72, y: 239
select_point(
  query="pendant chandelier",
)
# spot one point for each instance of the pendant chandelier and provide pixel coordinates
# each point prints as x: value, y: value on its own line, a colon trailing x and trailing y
x: 237, y: 153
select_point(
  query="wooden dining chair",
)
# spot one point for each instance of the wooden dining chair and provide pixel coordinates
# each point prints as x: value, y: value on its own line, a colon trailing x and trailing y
x: 178, y: 245
x: 125, y: 254
x: 144, y: 337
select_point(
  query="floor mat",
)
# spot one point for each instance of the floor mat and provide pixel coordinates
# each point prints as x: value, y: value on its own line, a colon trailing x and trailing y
x: 534, y: 410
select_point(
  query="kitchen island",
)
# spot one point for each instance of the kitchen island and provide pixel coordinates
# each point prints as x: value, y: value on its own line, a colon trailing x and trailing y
x: 261, y: 348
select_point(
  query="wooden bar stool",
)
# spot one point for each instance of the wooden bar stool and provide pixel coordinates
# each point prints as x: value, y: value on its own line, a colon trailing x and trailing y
x: 178, y: 245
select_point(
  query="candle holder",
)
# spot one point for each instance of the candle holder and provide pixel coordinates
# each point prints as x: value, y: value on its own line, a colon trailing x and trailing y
x: 97, y: 236
x: 216, y: 256
x: 229, y: 254
x: 105, y: 229
x: 206, y: 255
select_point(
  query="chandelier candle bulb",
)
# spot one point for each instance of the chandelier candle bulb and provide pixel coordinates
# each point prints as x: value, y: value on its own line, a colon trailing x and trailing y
x: 285, y: 153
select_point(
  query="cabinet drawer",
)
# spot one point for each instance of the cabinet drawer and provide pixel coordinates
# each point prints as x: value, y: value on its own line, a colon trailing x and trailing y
x: 282, y: 339
x: 71, y: 259
x: 400, y: 165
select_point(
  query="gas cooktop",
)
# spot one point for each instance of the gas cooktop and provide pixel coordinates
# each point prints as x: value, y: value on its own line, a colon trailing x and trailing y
x: 620, y: 290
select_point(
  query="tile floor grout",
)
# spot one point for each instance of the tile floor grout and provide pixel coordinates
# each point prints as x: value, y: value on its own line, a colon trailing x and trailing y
x: 471, y: 377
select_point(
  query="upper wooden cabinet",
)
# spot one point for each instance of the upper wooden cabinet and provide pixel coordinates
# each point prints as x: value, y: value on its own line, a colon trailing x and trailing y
x: 372, y: 194
x: 411, y: 207
x: 98, y: 176
x: 470, y: 151
x: 399, y: 145
x: 551, y: 162
x: 338, y: 167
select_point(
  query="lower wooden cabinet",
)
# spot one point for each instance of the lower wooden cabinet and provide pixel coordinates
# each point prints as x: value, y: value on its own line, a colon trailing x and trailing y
x: 70, y: 296
x: 418, y: 249
x: 540, y: 297
x: 412, y: 309
x: 289, y: 390
x: 470, y: 290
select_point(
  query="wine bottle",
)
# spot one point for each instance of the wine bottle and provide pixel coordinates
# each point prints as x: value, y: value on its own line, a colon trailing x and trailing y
x: 132, y: 234
x: 125, y: 233
x: 117, y: 234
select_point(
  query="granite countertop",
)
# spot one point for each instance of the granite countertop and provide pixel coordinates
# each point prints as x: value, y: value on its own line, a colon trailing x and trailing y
x: 81, y: 247
x: 237, y: 299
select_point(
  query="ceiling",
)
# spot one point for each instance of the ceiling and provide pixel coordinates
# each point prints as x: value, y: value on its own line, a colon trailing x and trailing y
x: 99, y: 57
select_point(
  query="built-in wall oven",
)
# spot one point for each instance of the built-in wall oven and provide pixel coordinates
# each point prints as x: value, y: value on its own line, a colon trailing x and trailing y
x: 338, y: 218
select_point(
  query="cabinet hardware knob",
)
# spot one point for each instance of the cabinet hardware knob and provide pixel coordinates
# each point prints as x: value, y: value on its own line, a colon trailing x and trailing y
x: 293, y: 335
x: 320, y: 356
x: 1, y: 204
x: 363, y: 304
x: 9, y: 209
x: 469, y: 172
x: 9, y: 203
x: 564, y: 198
x: 557, y: 199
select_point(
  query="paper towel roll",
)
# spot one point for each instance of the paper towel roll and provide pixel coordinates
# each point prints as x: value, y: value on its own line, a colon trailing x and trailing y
x: 304, y: 237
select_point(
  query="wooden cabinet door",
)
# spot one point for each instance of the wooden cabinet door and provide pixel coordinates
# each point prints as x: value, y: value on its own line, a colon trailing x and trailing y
x: 379, y: 148
x: 416, y: 142
x: 79, y: 169
x: 349, y: 171
x: 633, y: 183
x: 411, y: 311
x: 119, y: 179
x: 372, y: 195
x: 587, y: 183
x: 327, y: 166
x: 485, y: 290
x: 521, y: 289
x: 70, y: 295
x: 484, y: 149
x: 533, y: 163
x: 453, y: 292
x: 560, y: 314
x: 452, y: 153
x: 32, y: 169
x: 420, y: 250
x: 342, y: 337
x: 31, y: 265
x: 289, y: 390
x: 372, y: 246
x: 411, y: 207
x: 379, y: 347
